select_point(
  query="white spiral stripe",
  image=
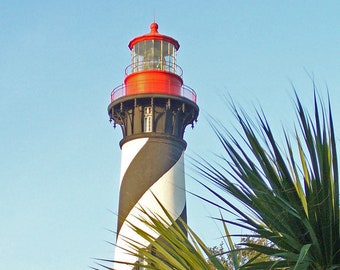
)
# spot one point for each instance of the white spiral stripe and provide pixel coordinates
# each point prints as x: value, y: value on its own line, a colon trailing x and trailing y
x: 129, y: 151
x: 170, y: 190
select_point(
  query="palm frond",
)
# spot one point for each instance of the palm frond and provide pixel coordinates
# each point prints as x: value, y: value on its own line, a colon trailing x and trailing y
x: 291, y: 201
x: 171, y: 246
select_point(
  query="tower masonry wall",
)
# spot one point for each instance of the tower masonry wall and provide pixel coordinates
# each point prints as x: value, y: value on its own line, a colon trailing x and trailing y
x: 151, y: 168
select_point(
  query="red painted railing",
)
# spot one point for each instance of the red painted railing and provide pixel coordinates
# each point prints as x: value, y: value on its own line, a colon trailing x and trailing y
x: 185, y: 92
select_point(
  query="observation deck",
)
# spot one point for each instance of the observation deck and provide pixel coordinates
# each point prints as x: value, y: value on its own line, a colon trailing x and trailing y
x: 182, y: 91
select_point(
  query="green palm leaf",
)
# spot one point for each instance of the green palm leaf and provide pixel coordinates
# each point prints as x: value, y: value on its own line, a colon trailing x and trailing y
x: 291, y: 201
x: 173, y: 245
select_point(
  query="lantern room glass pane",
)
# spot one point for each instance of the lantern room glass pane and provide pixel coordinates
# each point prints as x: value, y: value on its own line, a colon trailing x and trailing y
x: 153, y: 55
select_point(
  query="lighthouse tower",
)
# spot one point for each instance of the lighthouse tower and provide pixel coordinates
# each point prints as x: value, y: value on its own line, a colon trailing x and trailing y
x: 153, y: 108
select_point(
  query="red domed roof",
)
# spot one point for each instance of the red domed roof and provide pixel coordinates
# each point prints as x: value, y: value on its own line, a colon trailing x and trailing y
x: 154, y: 35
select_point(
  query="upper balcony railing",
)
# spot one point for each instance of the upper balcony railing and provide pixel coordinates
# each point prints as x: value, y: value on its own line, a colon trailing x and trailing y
x: 185, y: 91
x: 154, y: 65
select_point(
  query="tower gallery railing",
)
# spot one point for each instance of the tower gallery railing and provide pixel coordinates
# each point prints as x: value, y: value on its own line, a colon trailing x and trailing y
x: 185, y: 91
x: 154, y: 65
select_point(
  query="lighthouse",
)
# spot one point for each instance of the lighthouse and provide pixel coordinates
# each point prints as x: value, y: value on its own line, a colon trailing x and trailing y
x: 152, y: 107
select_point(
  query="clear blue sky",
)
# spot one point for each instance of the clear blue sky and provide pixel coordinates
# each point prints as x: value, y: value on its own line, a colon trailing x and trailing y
x: 59, y: 60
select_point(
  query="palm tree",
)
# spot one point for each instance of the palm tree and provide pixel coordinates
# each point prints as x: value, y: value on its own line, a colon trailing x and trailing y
x: 290, y: 198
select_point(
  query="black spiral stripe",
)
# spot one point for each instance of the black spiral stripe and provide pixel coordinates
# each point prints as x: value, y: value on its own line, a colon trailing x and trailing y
x: 155, y: 158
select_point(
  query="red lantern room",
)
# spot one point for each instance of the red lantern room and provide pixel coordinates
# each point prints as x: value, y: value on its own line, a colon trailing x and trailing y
x: 155, y: 76
x: 153, y: 68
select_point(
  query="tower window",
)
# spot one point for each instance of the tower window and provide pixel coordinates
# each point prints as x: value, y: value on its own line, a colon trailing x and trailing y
x: 147, y: 119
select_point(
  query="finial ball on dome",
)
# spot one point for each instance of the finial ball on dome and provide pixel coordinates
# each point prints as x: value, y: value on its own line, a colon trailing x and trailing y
x: 154, y: 27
